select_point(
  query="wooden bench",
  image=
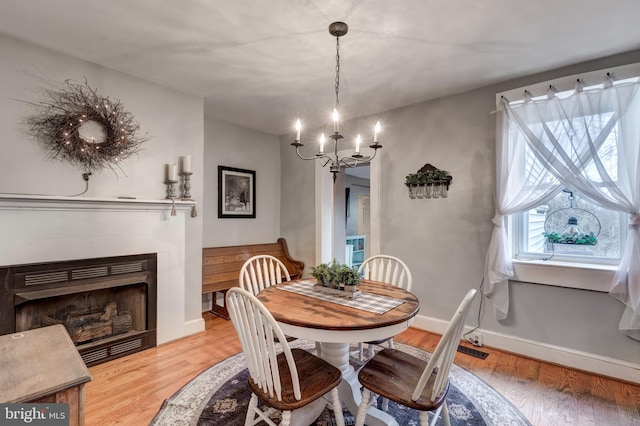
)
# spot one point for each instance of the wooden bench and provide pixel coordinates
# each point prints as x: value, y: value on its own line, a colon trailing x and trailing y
x: 221, y: 268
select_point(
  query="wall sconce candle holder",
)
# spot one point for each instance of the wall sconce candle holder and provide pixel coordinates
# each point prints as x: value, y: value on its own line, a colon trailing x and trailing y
x: 428, y: 182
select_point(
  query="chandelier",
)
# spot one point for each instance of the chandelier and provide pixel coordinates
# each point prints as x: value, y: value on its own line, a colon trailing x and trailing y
x: 338, y: 29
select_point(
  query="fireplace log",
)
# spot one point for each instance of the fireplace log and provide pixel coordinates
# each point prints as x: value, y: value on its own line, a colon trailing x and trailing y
x: 111, y: 310
x: 122, y: 323
x: 91, y: 331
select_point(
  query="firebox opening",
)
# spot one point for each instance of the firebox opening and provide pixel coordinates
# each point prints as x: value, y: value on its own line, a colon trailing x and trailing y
x: 107, y: 305
x: 89, y: 316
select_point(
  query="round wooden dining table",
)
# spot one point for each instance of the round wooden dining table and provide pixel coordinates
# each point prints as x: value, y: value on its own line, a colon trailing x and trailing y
x: 335, y: 327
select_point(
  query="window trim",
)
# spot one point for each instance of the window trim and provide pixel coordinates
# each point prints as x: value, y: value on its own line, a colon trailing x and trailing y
x: 563, y: 274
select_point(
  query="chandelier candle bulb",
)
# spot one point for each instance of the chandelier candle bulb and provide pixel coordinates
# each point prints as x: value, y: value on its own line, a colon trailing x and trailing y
x: 336, y: 118
x: 298, y: 128
x: 321, y: 144
x: 358, y: 141
x: 376, y: 130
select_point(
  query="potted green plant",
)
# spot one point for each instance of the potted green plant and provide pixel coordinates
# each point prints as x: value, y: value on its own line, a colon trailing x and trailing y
x: 322, y: 273
x: 576, y: 238
x: 349, y: 278
x: 412, y: 183
x: 337, y: 278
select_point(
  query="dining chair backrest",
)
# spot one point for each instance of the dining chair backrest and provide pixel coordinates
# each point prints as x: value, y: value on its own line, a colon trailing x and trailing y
x: 387, y: 269
x: 262, y: 271
x: 440, y: 363
x: 258, y: 332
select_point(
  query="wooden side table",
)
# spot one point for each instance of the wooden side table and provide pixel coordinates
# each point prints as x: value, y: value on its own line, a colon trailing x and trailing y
x: 43, y: 366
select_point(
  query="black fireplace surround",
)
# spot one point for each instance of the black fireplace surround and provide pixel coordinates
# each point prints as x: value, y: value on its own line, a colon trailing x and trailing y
x: 108, y: 305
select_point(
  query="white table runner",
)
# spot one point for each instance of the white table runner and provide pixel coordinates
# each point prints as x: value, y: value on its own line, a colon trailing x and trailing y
x: 366, y: 301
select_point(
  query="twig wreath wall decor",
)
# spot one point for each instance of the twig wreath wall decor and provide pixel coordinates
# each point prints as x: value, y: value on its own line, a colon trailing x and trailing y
x: 76, y: 124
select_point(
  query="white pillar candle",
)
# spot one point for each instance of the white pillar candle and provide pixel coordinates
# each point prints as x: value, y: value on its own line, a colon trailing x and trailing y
x: 186, y: 164
x: 172, y: 172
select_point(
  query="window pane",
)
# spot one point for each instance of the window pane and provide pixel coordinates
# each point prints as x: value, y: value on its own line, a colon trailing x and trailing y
x: 563, y: 217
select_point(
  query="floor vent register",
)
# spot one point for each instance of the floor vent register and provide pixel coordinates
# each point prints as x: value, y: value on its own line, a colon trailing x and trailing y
x: 473, y: 352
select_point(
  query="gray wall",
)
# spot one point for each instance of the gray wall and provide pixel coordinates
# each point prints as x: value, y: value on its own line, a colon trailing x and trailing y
x: 444, y: 241
x: 233, y: 146
x: 172, y: 119
x: 297, y: 219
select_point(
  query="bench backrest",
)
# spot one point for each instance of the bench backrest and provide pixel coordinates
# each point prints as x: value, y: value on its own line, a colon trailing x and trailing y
x: 221, y: 265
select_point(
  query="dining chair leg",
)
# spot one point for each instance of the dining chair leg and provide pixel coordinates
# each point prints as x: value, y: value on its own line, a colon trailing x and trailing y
x: 370, y: 352
x: 364, y: 405
x: 286, y: 418
x: 361, y: 351
x: 318, y: 349
x: 251, y: 410
x: 424, y: 418
x: 445, y: 414
x: 385, y: 404
x: 436, y: 416
x: 337, y: 407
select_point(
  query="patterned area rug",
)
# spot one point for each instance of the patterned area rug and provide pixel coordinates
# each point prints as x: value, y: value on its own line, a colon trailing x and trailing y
x: 219, y: 396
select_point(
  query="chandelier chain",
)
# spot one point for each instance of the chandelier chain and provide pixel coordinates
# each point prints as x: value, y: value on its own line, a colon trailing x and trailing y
x: 337, y: 71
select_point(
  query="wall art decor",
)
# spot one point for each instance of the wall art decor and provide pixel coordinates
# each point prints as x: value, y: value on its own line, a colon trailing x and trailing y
x: 236, y: 193
x: 91, y: 131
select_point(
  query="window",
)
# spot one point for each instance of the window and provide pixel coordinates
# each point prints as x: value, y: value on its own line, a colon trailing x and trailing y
x: 586, y: 141
x: 572, y: 213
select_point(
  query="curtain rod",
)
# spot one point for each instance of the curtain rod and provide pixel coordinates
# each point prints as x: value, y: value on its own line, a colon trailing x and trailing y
x: 560, y: 84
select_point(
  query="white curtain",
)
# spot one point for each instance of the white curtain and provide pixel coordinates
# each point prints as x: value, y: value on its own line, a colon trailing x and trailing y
x: 522, y: 183
x: 570, y: 136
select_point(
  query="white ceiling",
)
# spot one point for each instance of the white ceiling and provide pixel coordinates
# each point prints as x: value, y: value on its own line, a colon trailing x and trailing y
x: 261, y: 64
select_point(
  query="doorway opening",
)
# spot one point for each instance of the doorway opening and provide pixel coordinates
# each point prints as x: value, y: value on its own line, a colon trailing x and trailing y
x: 357, y: 215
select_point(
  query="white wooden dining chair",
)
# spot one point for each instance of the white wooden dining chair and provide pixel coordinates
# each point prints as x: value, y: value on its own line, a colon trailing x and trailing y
x: 412, y: 382
x: 262, y: 271
x: 282, y: 380
x: 389, y: 270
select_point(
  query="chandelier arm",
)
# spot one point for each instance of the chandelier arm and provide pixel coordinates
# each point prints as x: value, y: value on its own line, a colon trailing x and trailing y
x: 353, y: 162
x: 356, y: 160
x: 327, y: 161
x: 315, y: 157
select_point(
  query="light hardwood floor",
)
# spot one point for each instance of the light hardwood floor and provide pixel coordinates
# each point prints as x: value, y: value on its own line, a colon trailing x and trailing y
x: 130, y: 390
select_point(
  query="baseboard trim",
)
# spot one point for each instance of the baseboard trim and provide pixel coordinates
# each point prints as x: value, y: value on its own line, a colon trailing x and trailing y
x: 194, y: 326
x: 596, y: 364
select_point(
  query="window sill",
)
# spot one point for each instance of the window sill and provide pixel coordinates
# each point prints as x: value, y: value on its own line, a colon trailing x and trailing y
x: 563, y: 274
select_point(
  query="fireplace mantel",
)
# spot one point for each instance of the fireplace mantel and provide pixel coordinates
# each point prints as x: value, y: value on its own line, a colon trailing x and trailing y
x: 54, y: 202
x: 40, y: 228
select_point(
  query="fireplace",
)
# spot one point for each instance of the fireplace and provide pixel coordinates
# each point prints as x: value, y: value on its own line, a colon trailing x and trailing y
x: 108, y: 305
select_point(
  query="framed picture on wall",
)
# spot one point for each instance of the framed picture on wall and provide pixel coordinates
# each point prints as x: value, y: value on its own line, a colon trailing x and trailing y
x: 236, y: 193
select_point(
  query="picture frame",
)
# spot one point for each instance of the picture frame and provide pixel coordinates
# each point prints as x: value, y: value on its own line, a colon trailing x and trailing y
x: 236, y: 193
